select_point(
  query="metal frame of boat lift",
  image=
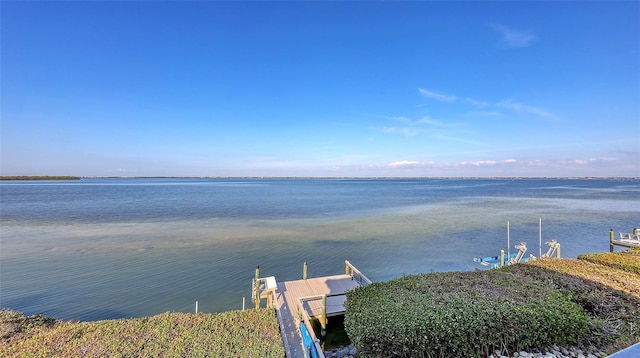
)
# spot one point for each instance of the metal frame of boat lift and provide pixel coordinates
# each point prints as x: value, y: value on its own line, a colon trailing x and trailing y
x: 509, y: 259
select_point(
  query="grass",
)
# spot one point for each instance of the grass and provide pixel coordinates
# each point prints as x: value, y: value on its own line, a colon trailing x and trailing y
x: 252, y: 333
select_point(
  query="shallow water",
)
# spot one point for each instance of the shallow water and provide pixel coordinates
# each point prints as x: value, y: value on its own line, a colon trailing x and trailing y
x: 111, y: 248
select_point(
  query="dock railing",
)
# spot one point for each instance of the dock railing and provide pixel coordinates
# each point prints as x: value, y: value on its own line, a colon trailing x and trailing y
x: 352, y: 271
x: 625, y: 240
x: 264, y: 288
x: 310, y: 342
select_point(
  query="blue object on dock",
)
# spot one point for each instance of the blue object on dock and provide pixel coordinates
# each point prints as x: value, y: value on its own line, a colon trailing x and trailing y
x: 307, y: 342
x: 494, y: 261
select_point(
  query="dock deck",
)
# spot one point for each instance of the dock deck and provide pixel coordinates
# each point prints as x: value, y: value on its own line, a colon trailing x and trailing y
x: 625, y: 239
x: 289, y: 293
x: 299, y: 301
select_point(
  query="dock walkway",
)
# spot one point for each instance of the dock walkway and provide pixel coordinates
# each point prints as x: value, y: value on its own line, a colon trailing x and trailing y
x: 301, y: 300
x: 288, y: 296
x: 625, y: 239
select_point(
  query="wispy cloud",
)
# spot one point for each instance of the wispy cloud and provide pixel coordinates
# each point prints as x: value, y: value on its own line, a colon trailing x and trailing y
x: 437, y: 96
x: 425, y: 125
x: 449, y: 98
x: 407, y: 131
x: 513, y: 38
x: 502, y: 163
x: 509, y: 104
x: 403, y: 164
x: 519, y: 107
x: 400, y: 164
x: 589, y: 161
x: 450, y: 138
x: 434, y: 123
x: 485, y: 113
x: 475, y: 102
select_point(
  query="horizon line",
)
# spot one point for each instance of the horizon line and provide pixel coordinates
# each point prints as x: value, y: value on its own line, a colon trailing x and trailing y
x: 316, y: 177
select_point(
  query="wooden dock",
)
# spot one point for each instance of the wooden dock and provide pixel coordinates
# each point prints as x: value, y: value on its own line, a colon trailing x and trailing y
x: 624, y: 240
x: 298, y: 301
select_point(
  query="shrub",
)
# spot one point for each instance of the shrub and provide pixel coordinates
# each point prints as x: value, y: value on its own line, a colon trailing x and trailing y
x: 582, y: 270
x: 609, y: 297
x: 14, y: 323
x: 459, y: 314
x: 628, y: 260
x: 252, y: 333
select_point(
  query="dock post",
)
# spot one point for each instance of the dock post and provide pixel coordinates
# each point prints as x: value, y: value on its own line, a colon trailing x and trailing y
x: 304, y: 271
x: 323, y: 319
x: 346, y: 268
x: 611, y: 237
x: 635, y: 231
x: 501, y: 258
x: 257, y: 293
x: 558, y: 252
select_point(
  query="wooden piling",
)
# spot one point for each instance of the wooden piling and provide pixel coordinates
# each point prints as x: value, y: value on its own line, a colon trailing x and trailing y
x: 257, y: 293
x: 304, y: 271
x: 611, y: 237
x: 501, y: 258
x: 558, y: 252
x: 323, y: 319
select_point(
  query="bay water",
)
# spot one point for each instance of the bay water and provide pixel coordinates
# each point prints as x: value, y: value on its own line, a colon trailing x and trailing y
x: 108, y: 248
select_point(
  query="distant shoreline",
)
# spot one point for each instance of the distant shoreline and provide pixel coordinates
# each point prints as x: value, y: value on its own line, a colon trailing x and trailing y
x: 39, y: 177
x: 69, y: 177
x: 355, y: 177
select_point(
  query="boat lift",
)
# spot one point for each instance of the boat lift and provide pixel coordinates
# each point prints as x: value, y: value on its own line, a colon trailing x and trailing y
x: 554, y: 247
x: 514, y: 258
x: 504, y: 260
x: 510, y: 259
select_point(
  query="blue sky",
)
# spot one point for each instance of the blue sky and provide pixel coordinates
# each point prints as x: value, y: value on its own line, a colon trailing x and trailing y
x: 320, y: 88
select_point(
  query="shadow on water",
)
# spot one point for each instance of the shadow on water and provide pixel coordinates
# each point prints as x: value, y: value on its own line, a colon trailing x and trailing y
x: 103, y: 313
x: 25, y: 303
x: 34, y: 304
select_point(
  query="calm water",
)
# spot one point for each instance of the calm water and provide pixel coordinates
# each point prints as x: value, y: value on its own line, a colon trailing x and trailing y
x: 111, y: 248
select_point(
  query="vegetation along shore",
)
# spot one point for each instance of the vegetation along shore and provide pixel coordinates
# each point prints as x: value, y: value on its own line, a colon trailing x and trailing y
x: 590, y: 304
x: 39, y: 177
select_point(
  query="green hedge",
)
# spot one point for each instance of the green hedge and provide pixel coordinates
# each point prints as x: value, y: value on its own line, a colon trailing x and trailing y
x: 609, y: 297
x: 459, y: 314
x: 628, y: 260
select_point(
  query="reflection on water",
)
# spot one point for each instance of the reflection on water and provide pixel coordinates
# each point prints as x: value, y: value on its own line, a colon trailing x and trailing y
x: 87, y: 271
